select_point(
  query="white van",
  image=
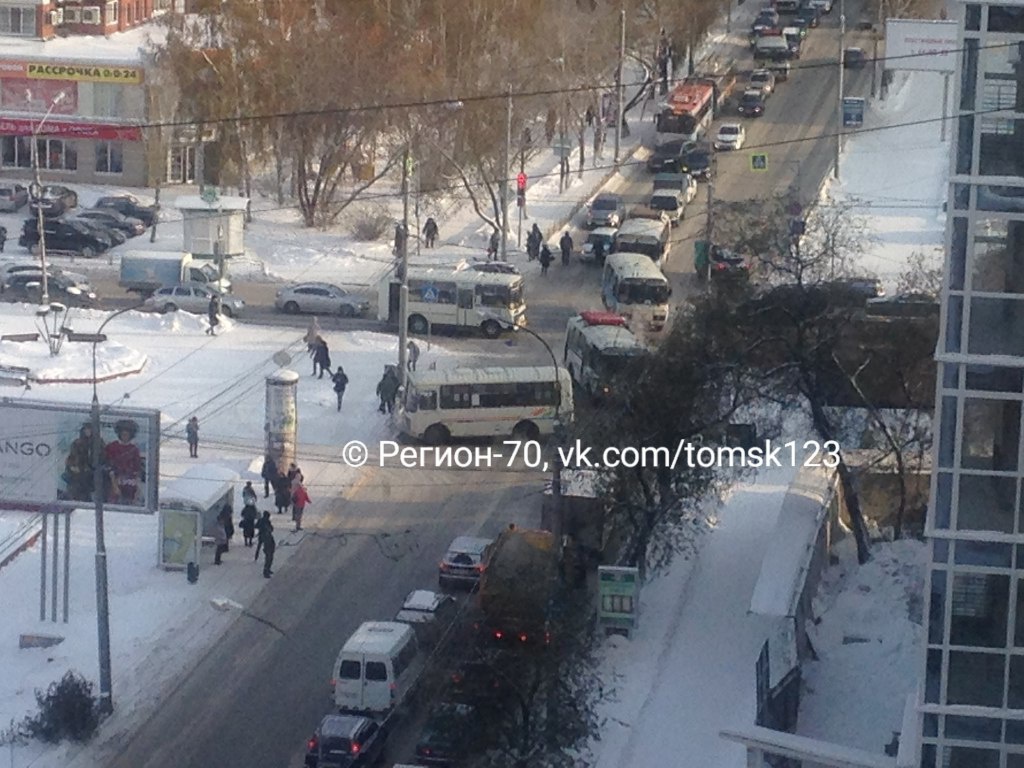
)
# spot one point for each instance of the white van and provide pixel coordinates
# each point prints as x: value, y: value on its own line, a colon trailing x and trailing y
x: 772, y: 47
x: 376, y: 668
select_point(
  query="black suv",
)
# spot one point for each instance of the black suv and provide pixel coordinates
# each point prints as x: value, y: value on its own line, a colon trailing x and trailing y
x: 697, y: 162
x: 54, y: 201
x: 129, y: 205
x: 65, y: 236
x: 345, y: 741
x: 27, y: 286
x: 751, y: 104
x: 668, y: 158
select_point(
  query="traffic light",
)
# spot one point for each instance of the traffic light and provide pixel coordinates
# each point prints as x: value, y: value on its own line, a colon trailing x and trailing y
x: 521, y: 190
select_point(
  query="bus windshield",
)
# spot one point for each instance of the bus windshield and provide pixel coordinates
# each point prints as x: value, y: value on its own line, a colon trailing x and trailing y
x: 639, y: 291
x: 670, y: 122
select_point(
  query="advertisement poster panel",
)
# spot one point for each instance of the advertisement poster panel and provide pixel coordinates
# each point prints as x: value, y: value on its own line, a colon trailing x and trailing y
x: 180, y: 538
x: 921, y: 44
x: 47, y: 456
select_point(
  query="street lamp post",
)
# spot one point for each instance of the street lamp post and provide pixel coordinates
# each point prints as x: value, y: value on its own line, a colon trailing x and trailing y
x: 839, y: 104
x: 106, y: 701
x: 37, y: 192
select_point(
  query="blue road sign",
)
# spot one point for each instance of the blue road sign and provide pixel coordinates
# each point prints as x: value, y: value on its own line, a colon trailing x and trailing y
x: 853, y: 111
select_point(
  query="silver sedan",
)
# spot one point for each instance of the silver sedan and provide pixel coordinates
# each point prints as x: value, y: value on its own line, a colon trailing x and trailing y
x: 320, y: 298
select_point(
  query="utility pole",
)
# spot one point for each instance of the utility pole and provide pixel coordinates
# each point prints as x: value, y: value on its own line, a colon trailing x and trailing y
x: 522, y: 202
x: 106, y: 700
x: 618, y: 86
x: 709, y: 227
x: 156, y: 214
x: 839, y: 102
x: 506, y: 168
x: 874, y: 63
x: 37, y: 194
x: 403, y: 291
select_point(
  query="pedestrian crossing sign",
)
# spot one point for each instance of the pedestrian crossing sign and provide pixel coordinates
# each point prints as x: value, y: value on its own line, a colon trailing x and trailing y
x: 759, y: 162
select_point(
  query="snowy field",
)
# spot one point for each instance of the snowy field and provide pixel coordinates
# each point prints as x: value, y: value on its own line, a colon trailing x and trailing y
x: 695, y: 635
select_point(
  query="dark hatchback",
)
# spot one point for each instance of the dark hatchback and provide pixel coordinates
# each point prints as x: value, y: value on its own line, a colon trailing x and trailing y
x: 61, y: 235
x: 129, y: 205
x: 697, y: 162
x: 751, y: 104
x: 345, y: 741
x: 27, y: 286
x: 668, y: 158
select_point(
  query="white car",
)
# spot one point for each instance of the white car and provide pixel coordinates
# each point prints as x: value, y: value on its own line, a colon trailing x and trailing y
x: 321, y: 299
x: 763, y: 79
x: 730, y: 136
x: 194, y: 298
x: 430, y: 614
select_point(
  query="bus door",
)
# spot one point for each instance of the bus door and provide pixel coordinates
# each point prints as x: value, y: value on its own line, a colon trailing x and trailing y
x: 394, y: 302
x: 467, y: 314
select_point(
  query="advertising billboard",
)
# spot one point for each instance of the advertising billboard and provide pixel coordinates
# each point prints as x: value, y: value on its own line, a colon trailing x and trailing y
x: 917, y: 44
x: 180, y: 538
x: 47, y: 456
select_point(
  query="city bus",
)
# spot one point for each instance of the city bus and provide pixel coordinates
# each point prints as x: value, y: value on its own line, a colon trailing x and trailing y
x: 598, y: 347
x: 687, y: 113
x: 634, y: 287
x: 648, y: 236
x: 453, y: 297
x: 520, y: 403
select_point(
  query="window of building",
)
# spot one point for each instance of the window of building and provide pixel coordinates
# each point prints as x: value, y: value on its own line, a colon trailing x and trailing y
x: 1015, y: 691
x: 1005, y: 18
x: 972, y: 18
x: 57, y: 155
x: 947, y: 434
x: 958, y: 255
x: 16, y: 151
x: 1014, y: 760
x: 954, y: 322
x: 969, y: 75
x: 973, y: 728
x: 978, y: 614
x: 943, y: 505
x: 107, y: 100
x: 109, y: 157
x: 970, y: 757
x: 988, y: 553
x: 112, y: 11
x: 975, y: 678
x: 937, y: 608
x: 18, y: 20
x: 997, y: 326
x: 987, y: 503
x: 994, y: 378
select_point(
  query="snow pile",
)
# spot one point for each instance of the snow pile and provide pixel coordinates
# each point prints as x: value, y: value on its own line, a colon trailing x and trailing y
x: 869, y: 642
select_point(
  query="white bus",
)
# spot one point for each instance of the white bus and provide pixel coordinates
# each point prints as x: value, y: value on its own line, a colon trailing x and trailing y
x: 649, y: 236
x: 522, y: 403
x: 634, y: 287
x: 447, y: 296
x: 598, y: 346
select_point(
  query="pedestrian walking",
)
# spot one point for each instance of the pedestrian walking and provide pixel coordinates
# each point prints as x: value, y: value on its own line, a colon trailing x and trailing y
x: 248, y: 494
x: 229, y: 526
x: 412, y: 355
x: 599, y: 251
x: 269, y: 474
x: 533, y: 243
x: 213, y: 314
x: 248, y: 523
x: 340, y: 381
x: 263, y: 529
x: 545, y: 258
x: 300, y: 500
x: 492, y: 246
x: 269, y: 547
x: 282, y: 493
x: 430, y: 231
x: 3, y: 238
x: 220, y: 539
x: 313, y: 333
x: 387, y: 390
x: 321, y: 357
x: 192, y: 436
x: 566, y: 245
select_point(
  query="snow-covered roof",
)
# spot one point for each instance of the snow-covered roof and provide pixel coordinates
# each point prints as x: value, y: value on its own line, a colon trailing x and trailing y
x: 200, y: 486
x: 119, y: 48
x: 196, y: 203
x: 422, y: 600
x: 788, y: 556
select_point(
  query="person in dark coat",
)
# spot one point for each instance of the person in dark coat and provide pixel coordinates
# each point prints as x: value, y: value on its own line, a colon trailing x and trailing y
x: 321, y: 357
x: 263, y: 529
x: 225, y: 517
x: 387, y: 391
x: 192, y: 436
x: 430, y: 231
x: 340, y: 382
x: 533, y: 243
x: 3, y: 238
x: 220, y: 539
x: 493, y: 245
x: 248, y: 523
x: 269, y: 474
x: 599, y: 252
x: 399, y: 238
x: 213, y: 314
x: 412, y: 355
x: 282, y: 493
x: 566, y: 245
x: 269, y: 547
x: 248, y: 494
x: 545, y: 258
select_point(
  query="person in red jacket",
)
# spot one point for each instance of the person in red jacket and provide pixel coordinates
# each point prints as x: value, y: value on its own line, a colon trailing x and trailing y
x: 124, y: 463
x: 300, y: 498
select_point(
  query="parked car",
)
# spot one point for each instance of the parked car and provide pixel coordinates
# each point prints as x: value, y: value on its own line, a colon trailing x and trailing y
x: 76, y: 279
x: 321, y: 299
x: 606, y: 210
x: 810, y: 14
x: 730, y: 136
x: 27, y: 286
x: 345, y: 741
x: 751, y: 104
x: 780, y: 69
x: 12, y: 197
x: 62, y: 235
x: 448, y: 737
x: 855, y: 58
x: 904, y: 305
x: 670, y: 203
x: 111, y: 219
x: 604, y: 235
x: 475, y: 683
x: 129, y: 205
x: 697, y: 162
x: 465, y: 560
x: 501, y: 267
x: 116, y: 236
x: 721, y: 264
x: 192, y: 297
x: 683, y: 183
x: 823, y: 6
x: 864, y: 287
x: 668, y: 158
x: 429, y: 613
x: 54, y: 201
x: 763, y: 79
